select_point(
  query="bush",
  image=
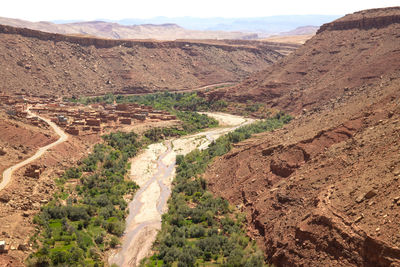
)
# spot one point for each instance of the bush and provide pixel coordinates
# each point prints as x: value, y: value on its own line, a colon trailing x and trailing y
x: 59, y: 256
x: 99, y: 239
x: 116, y: 227
x: 114, y: 241
x: 99, y: 195
x: 195, y: 214
x: 72, y: 173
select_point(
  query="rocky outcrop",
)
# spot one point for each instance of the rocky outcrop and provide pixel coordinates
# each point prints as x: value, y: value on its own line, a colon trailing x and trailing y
x: 322, y: 197
x: 364, y: 20
x: 357, y: 50
x: 109, y: 43
x: 323, y: 191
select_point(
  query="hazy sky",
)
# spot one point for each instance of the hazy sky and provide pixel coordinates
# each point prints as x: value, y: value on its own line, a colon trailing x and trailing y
x: 36, y: 10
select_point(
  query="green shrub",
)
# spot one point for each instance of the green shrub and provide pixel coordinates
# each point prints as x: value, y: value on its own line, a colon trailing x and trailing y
x: 198, y: 220
x: 71, y: 229
x: 114, y: 241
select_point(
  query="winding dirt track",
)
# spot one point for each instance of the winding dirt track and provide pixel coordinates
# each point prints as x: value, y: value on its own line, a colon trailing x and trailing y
x: 153, y: 170
x: 7, y: 174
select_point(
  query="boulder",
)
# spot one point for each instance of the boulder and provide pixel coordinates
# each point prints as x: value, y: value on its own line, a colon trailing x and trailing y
x: 370, y: 194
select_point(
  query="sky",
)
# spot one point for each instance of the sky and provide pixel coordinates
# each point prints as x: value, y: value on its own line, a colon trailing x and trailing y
x: 49, y: 10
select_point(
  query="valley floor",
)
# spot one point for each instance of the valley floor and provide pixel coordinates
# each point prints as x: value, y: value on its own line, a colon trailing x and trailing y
x: 153, y: 170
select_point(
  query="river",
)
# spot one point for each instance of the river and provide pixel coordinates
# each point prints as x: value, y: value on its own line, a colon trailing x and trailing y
x: 153, y: 170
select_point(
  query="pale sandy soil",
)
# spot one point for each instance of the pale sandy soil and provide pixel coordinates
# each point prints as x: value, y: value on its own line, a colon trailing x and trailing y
x: 154, y: 170
x: 226, y: 119
x: 294, y: 39
x: 144, y: 165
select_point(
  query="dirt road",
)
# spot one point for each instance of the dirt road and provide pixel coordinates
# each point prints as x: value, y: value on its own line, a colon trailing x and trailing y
x: 7, y: 174
x: 153, y: 170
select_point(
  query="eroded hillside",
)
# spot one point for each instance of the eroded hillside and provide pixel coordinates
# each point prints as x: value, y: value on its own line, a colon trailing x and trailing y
x: 324, y: 190
x: 356, y: 50
x: 44, y: 63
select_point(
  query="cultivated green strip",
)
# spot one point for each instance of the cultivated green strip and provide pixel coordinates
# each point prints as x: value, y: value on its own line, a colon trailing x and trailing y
x: 87, y: 216
x: 200, y: 229
x: 163, y: 101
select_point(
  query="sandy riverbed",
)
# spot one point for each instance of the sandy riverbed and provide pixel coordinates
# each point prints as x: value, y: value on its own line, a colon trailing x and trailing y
x: 153, y: 170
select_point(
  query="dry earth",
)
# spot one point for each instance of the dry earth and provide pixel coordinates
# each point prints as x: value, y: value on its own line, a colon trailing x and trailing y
x: 8, y: 173
x: 20, y: 140
x: 337, y: 60
x: 54, y: 64
x: 324, y: 190
x: 295, y: 39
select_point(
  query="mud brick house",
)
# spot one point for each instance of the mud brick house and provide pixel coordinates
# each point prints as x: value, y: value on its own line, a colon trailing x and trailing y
x: 93, y: 122
x: 33, y: 171
x: 72, y: 130
x: 140, y: 117
x: 122, y: 107
x: 125, y: 121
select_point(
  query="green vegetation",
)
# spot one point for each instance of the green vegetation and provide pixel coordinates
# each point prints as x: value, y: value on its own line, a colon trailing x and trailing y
x: 189, y: 101
x: 87, y: 216
x: 192, y: 122
x: 162, y: 101
x: 200, y: 228
x: 252, y: 107
x: 108, y: 98
x: 175, y: 101
x: 183, y: 105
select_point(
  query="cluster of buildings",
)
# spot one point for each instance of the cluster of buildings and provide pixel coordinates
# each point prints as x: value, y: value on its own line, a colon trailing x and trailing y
x: 13, y: 105
x: 78, y: 119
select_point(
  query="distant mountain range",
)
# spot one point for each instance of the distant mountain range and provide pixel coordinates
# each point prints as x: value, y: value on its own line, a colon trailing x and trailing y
x: 167, y: 31
x: 265, y: 25
x: 163, y: 28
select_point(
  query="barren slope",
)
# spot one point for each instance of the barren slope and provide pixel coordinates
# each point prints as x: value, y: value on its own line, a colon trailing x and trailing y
x: 352, y: 51
x: 39, y: 62
x: 324, y: 191
x: 19, y: 140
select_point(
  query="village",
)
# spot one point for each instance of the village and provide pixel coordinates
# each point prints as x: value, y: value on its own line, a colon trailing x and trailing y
x: 77, y: 118
x: 83, y: 122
